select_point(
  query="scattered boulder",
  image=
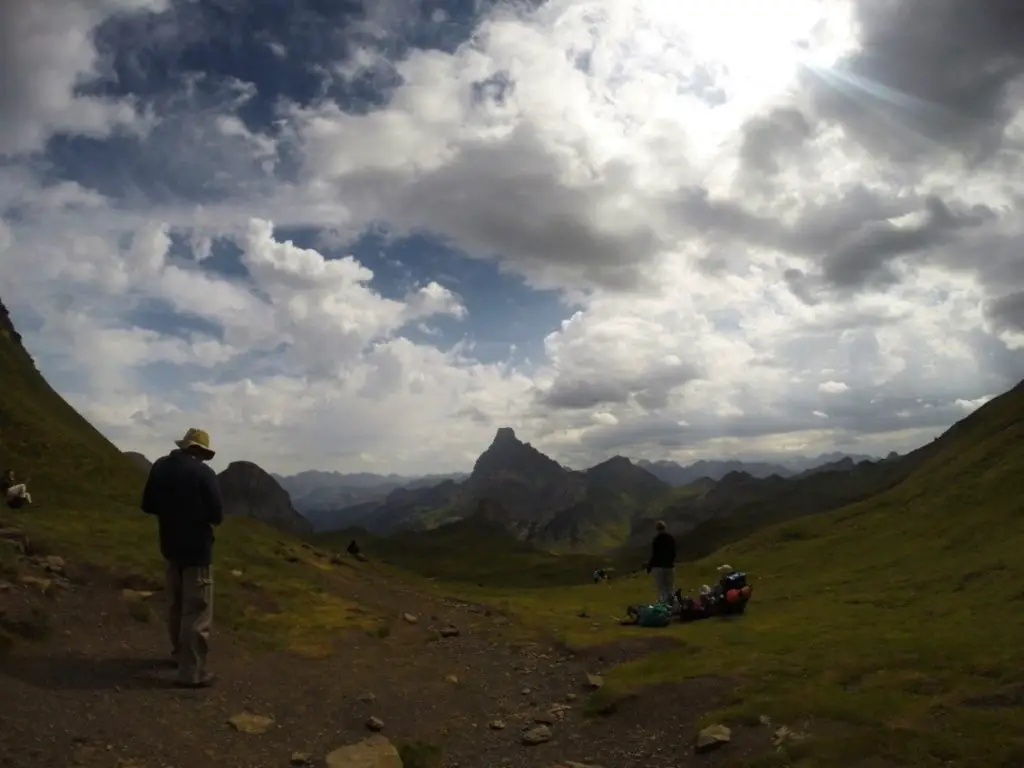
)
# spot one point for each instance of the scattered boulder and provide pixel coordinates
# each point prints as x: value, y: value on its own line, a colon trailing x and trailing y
x: 544, y: 718
x: 368, y: 698
x: 526, y: 691
x: 45, y: 586
x: 558, y: 711
x: 375, y: 724
x: 53, y: 564
x: 453, y: 679
x: 374, y: 752
x: 594, y: 681
x: 570, y: 697
x: 785, y: 735
x: 449, y: 631
x: 496, y: 725
x: 133, y: 594
x: 236, y: 572
x: 410, y: 618
x: 536, y: 735
x: 301, y: 760
x: 712, y: 737
x: 247, y: 722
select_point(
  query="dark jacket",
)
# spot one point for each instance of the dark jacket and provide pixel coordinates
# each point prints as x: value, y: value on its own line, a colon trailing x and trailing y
x: 663, y: 551
x: 183, y: 492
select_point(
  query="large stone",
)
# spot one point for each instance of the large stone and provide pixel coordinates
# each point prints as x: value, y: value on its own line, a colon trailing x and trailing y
x: 594, y: 682
x: 713, y: 737
x: 536, y: 735
x: 246, y: 722
x: 53, y: 564
x: 43, y: 585
x: 374, y: 752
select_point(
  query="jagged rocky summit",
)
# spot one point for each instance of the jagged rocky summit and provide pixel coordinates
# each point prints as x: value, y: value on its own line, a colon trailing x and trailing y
x: 251, y: 492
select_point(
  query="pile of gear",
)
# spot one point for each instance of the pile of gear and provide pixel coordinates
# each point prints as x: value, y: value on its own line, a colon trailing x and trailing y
x: 729, y: 597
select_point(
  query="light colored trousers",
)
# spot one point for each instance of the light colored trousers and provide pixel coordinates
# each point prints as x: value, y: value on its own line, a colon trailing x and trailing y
x: 19, y: 491
x: 664, y: 583
x: 190, y: 618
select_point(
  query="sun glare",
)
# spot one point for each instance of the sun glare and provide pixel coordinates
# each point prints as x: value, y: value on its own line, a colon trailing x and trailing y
x: 756, y: 48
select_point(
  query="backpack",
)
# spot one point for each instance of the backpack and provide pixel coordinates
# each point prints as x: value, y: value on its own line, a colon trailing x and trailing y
x: 654, y: 615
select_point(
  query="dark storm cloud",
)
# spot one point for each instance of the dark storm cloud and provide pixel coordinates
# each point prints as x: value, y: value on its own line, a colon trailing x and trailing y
x: 1007, y: 312
x: 507, y: 199
x: 864, y: 256
x: 861, y: 412
x: 650, y: 388
x: 768, y: 139
x: 848, y: 243
x: 927, y: 73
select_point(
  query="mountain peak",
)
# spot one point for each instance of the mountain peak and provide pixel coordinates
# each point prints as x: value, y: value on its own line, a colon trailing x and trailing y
x: 505, y: 435
x: 508, y: 454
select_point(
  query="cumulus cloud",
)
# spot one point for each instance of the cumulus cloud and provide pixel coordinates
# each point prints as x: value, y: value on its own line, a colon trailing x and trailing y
x: 46, y: 54
x: 796, y: 234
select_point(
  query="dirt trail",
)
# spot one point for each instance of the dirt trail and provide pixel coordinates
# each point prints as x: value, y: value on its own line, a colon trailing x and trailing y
x: 97, y: 693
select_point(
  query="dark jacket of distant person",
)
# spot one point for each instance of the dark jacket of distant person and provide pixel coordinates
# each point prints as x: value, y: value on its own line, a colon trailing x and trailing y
x: 663, y: 551
x: 183, y: 493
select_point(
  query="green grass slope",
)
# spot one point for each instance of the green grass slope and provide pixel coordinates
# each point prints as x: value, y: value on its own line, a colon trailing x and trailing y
x: 87, y: 493
x: 890, y: 630
x: 474, y: 552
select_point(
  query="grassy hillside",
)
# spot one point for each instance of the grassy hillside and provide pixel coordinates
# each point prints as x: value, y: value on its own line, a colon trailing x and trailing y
x: 88, y: 491
x: 473, y: 552
x: 740, y: 504
x: 889, y: 630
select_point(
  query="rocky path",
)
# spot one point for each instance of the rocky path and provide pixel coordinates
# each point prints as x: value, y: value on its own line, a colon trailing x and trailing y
x: 97, y: 693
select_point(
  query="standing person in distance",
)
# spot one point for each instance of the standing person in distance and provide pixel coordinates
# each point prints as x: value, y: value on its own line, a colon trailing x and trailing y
x: 662, y: 564
x: 183, y: 493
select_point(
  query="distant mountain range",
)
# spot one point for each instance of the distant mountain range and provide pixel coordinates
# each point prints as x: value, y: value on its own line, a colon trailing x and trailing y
x: 324, y: 497
x: 535, y: 499
x: 336, y: 500
x: 679, y: 474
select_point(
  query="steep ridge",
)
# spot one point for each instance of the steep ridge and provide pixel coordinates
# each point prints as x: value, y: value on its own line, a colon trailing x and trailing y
x: 739, y: 505
x: 42, y: 437
x: 248, y: 491
x: 139, y: 460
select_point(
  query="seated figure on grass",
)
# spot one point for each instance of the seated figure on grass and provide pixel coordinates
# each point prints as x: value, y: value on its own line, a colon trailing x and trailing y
x: 16, y: 493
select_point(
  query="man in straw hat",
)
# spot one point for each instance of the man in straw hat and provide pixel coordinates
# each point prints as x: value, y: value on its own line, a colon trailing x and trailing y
x: 183, y: 493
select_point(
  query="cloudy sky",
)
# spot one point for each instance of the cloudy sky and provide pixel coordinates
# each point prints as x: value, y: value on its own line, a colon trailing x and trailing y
x: 363, y: 234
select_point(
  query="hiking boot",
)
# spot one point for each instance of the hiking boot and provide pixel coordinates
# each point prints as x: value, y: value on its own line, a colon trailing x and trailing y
x: 208, y: 681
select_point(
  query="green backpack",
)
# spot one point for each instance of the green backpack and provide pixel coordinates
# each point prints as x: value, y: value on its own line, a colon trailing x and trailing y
x: 654, y: 615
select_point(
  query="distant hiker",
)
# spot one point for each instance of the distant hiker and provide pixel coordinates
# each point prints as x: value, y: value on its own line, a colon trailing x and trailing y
x: 353, y: 549
x: 15, y: 494
x: 662, y: 564
x: 183, y: 493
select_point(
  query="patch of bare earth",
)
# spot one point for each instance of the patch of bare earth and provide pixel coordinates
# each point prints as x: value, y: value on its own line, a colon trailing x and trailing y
x: 97, y: 692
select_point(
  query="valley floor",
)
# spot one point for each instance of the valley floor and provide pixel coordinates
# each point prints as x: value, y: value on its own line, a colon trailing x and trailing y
x: 96, y: 692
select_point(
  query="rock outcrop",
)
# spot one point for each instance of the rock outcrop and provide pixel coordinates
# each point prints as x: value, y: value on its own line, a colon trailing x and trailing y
x: 139, y: 460
x: 251, y: 492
